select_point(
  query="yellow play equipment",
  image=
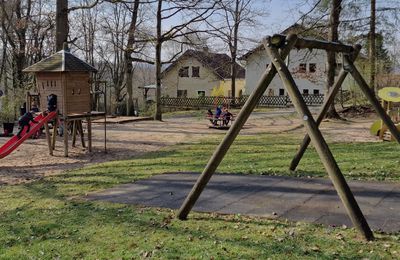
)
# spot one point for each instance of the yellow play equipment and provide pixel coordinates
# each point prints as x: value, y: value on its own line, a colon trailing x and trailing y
x: 389, y: 96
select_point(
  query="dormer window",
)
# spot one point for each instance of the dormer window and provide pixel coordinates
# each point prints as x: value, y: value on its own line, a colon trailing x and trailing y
x: 312, y: 67
x: 195, y: 72
x: 184, y: 72
x: 303, y: 67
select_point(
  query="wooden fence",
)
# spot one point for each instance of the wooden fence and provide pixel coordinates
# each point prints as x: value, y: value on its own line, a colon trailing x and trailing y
x: 210, y: 102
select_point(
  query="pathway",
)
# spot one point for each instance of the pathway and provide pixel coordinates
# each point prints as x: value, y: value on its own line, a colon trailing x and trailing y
x: 296, y: 199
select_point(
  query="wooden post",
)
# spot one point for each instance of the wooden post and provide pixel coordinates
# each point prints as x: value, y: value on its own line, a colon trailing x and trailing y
x: 304, y: 43
x: 369, y: 93
x: 234, y: 130
x: 46, y: 127
x: 80, y: 129
x: 325, y: 107
x: 321, y: 146
x: 65, y: 133
x: 54, y: 136
x: 74, y: 123
x: 89, y: 127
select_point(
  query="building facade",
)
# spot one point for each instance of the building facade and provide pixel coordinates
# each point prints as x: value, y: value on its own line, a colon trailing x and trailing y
x: 198, y: 73
x: 307, y: 67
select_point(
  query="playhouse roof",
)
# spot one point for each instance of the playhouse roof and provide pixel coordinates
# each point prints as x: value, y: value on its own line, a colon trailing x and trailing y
x: 59, y: 62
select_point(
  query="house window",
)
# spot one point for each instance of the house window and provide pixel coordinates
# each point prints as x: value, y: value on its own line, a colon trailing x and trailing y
x: 281, y: 92
x: 182, y: 93
x: 201, y: 93
x: 195, y: 72
x: 303, y: 67
x: 316, y: 92
x: 312, y: 67
x: 305, y: 91
x: 338, y: 67
x: 183, y: 72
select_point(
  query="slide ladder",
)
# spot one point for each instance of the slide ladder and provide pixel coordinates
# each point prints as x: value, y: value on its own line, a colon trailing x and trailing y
x: 14, y: 142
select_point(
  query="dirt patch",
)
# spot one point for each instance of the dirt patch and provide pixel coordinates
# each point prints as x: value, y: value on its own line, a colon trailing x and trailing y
x: 357, y: 111
x: 31, y: 160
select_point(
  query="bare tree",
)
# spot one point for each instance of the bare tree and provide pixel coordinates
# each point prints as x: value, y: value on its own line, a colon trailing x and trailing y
x: 231, y: 17
x: 333, y: 35
x: 15, y: 22
x: 372, y: 45
x: 128, y: 57
x: 195, y: 12
x: 62, y: 28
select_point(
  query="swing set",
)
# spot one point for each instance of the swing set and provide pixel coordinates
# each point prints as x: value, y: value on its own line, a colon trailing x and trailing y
x: 278, y: 48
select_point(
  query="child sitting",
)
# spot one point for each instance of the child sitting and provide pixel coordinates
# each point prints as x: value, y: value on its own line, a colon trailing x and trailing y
x: 25, y: 121
x: 226, y: 115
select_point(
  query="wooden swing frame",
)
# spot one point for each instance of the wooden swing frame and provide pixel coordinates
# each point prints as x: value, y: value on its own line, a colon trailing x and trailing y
x: 278, y: 48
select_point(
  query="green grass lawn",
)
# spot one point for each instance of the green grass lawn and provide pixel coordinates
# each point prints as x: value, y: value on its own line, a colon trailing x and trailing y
x: 48, y: 220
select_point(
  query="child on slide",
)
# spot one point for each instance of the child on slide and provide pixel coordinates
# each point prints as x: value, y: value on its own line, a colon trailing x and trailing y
x: 25, y: 121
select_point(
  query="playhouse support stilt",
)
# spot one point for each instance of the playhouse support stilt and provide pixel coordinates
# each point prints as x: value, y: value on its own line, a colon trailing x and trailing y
x: 321, y: 146
x: 325, y: 107
x: 74, y: 123
x: 89, y: 127
x: 54, y: 136
x: 48, y: 137
x: 80, y: 130
x: 369, y: 93
x: 65, y: 134
x: 234, y: 130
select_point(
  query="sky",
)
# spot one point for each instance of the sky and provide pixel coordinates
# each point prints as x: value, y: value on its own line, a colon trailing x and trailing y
x: 282, y: 13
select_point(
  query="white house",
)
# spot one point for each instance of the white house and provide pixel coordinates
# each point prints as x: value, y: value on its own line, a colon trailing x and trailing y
x: 307, y: 67
x: 197, y: 73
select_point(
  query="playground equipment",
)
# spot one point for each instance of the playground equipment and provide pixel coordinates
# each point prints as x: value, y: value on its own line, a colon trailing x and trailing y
x: 222, y: 121
x: 14, y: 142
x: 66, y: 76
x: 278, y: 48
x: 389, y: 96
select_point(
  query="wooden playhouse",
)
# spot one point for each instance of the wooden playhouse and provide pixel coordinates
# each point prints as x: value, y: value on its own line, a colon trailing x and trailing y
x: 69, y: 78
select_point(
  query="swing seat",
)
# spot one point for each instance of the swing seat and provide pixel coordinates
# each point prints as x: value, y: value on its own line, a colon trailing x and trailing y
x: 220, y: 122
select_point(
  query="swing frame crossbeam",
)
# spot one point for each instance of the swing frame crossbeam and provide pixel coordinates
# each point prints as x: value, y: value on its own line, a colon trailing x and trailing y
x: 278, y: 48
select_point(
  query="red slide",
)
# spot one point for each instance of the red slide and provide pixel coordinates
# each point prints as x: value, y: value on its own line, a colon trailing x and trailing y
x: 14, y: 142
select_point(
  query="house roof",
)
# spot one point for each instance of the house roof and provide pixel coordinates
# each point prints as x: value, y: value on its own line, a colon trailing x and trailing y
x: 59, y: 62
x: 218, y: 63
x: 296, y: 29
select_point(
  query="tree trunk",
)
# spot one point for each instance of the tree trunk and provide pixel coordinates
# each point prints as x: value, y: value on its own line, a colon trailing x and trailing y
x: 158, y: 114
x: 234, y: 49
x: 62, y: 27
x: 372, y: 46
x: 3, y: 75
x: 20, y: 49
x: 128, y: 60
x: 333, y: 35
